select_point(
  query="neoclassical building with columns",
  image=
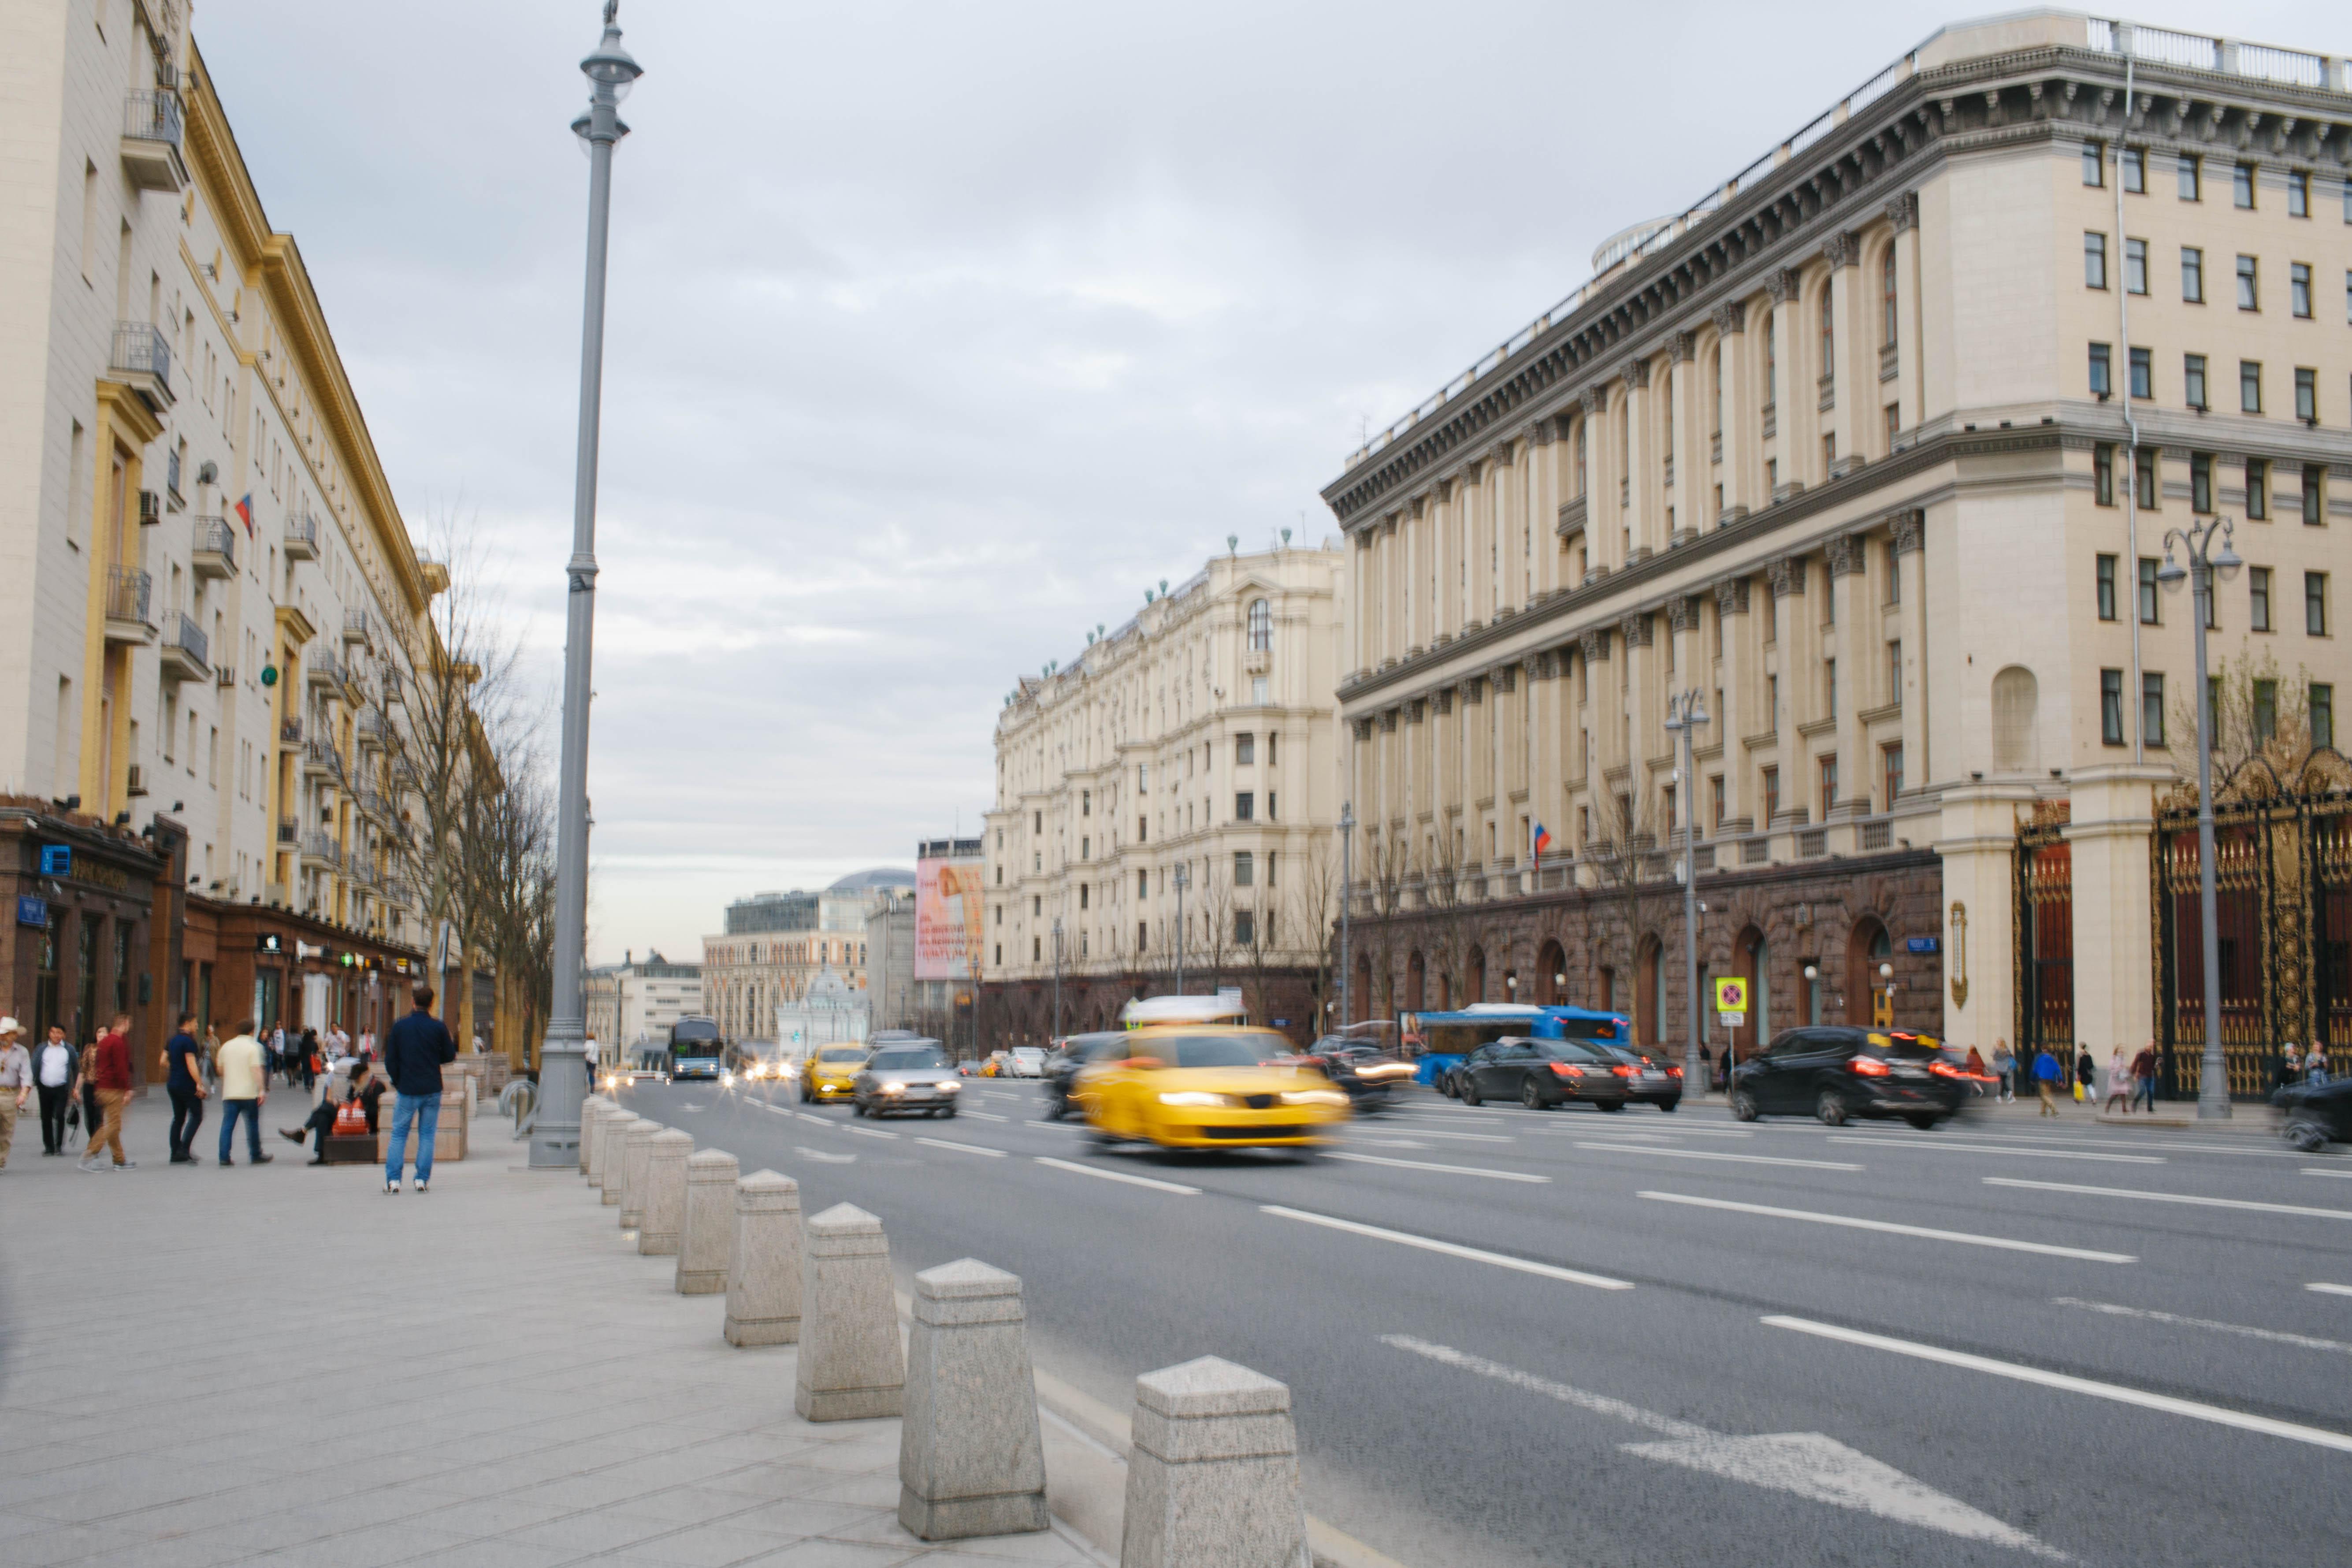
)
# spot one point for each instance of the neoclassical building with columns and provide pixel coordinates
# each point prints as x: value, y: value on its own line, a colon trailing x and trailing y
x: 1874, y: 450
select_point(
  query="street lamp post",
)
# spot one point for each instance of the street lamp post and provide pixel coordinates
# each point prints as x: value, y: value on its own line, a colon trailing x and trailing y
x: 1685, y: 714
x: 2196, y: 542
x: 562, y: 1071
x: 1183, y: 879
x: 1347, y: 897
x: 1057, y: 977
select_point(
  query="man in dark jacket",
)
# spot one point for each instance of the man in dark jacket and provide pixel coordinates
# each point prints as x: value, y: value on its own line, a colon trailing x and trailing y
x: 414, y: 1051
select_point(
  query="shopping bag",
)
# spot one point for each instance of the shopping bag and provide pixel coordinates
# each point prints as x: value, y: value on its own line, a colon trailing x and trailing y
x: 351, y: 1120
x: 2078, y: 1092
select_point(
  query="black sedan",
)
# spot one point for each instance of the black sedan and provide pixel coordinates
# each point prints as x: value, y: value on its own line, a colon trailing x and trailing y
x: 1657, y: 1081
x: 2313, y: 1115
x: 1070, y: 1054
x: 1839, y: 1072
x: 1541, y: 1074
x: 1367, y: 1075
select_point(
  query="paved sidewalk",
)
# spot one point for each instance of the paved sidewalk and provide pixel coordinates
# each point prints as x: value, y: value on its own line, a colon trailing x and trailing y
x: 282, y: 1365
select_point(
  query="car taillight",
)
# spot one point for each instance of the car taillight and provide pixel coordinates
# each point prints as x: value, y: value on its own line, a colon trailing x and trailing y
x: 1674, y: 1072
x: 1868, y: 1067
x: 1622, y: 1070
x: 1568, y: 1069
x: 1945, y: 1069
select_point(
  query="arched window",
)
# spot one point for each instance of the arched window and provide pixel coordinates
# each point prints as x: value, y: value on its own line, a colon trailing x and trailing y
x: 1829, y: 328
x: 1718, y: 392
x: 1887, y: 298
x: 1261, y: 627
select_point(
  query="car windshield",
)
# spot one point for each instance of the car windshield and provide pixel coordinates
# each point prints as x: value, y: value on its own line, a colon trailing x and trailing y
x: 1570, y: 1051
x: 1218, y: 1050
x: 907, y: 1059
x: 842, y: 1054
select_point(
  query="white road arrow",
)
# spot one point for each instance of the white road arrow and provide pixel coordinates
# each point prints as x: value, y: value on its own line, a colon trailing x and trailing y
x: 1805, y: 1463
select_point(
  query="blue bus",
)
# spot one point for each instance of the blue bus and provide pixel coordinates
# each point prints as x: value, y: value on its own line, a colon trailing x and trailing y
x: 696, y: 1049
x: 1442, y: 1039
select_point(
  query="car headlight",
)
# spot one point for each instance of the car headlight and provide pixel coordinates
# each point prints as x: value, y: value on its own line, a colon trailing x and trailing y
x: 1313, y: 1097
x: 1191, y: 1097
x: 950, y: 1088
x: 727, y: 1078
x: 894, y: 1088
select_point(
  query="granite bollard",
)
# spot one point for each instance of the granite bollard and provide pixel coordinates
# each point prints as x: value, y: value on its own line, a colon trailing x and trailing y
x: 764, y: 1262
x: 612, y: 1147
x: 852, y: 1367
x: 590, y: 1110
x: 664, y: 1219
x: 709, y: 1232
x: 1213, y: 1479
x: 971, y: 1460
x: 636, y: 1155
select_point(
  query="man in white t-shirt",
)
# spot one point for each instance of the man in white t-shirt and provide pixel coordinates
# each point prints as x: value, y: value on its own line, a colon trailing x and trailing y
x: 53, y: 1076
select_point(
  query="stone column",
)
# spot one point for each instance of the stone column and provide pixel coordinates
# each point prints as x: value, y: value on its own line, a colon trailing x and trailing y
x: 1978, y: 846
x: 664, y: 1208
x: 1908, y: 530
x: 1545, y: 794
x: 611, y: 1153
x: 1903, y: 212
x: 1641, y: 734
x: 1860, y: 661
x: 1798, y: 646
x: 764, y: 1262
x: 852, y: 1367
x: 1739, y: 414
x: 1789, y: 397
x: 636, y: 1156
x: 1544, y: 490
x: 1737, y: 712
x: 1694, y: 461
x: 2112, y: 833
x: 971, y: 1458
x: 709, y: 1235
x: 1856, y: 367
x: 1475, y: 498
x: 1213, y: 1479
x: 1636, y: 521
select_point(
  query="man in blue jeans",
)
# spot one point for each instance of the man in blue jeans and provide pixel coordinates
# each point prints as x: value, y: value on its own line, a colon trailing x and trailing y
x: 414, y: 1051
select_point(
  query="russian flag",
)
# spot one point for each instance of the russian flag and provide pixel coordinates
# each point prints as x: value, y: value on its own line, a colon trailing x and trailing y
x: 1542, y: 842
x: 245, y: 510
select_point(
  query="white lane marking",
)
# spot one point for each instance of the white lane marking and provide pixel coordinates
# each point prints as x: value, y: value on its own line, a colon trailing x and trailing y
x: 1890, y: 1228
x: 2330, y: 1290
x: 2274, y: 1335
x: 821, y: 1156
x: 771, y: 1109
x: 2130, y: 1139
x: 1930, y: 1146
x: 1655, y: 1130
x: 811, y: 1116
x: 1391, y: 1143
x: 1466, y: 1137
x: 1132, y: 1181
x: 2322, y: 1170
x: 868, y: 1132
x: 2302, y: 1209
x: 983, y: 1115
x: 2220, y: 1415
x: 967, y: 1148
x: 1447, y: 1170
x: 1809, y: 1463
x: 1718, y: 1154
x: 1451, y: 1249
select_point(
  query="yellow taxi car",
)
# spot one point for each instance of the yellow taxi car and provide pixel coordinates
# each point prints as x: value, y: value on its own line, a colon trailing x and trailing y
x: 1208, y: 1086
x: 828, y: 1072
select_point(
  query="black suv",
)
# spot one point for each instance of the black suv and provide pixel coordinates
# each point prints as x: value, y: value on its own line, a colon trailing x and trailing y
x: 1836, y: 1072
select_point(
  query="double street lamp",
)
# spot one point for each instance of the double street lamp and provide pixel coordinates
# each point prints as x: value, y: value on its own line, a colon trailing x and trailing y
x: 1347, y: 897
x: 1057, y: 977
x: 1183, y: 876
x: 1685, y: 711
x: 2197, y: 542
x: 563, y: 1069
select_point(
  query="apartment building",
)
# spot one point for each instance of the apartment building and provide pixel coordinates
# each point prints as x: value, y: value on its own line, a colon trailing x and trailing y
x: 207, y: 582
x: 1195, y: 743
x: 635, y: 1002
x: 1875, y: 448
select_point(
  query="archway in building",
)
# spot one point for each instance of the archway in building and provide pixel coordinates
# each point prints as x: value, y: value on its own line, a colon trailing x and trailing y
x: 1604, y: 995
x: 1866, y: 948
x: 1416, y: 983
x: 1649, y: 995
x: 1751, y: 960
x: 1473, y: 984
x: 1551, y: 975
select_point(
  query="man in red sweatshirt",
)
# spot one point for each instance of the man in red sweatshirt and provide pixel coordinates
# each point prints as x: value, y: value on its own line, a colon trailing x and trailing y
x: 110, y: 1074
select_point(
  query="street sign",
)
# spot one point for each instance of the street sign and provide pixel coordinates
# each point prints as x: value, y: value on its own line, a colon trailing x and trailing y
x: 56, y: 861
x: 1731, y: 995
x: 32, y: 911
x: 1882, y: 1008
x: 1731, y: 1020
x: 1923, y: 944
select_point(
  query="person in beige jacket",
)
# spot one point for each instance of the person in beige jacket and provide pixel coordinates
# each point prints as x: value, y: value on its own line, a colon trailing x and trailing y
x: 244, y: 1088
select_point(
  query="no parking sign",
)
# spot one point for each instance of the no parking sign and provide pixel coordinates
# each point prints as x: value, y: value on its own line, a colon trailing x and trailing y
x: 1731, y: 1002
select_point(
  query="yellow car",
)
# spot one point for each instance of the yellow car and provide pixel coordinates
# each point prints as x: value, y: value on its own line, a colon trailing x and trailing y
x: 827, y: 1072
x: 1207, y: 1087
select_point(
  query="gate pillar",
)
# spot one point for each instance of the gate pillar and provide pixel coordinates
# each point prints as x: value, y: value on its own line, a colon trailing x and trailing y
x: 1978, y: 844
x: 2112, y: 833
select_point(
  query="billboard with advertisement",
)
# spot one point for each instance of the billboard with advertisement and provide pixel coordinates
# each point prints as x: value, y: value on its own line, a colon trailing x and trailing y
x: 948, y: 909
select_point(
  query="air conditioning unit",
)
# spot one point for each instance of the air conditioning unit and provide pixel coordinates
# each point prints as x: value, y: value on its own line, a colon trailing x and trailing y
x: 151, y: 509
x: 225, y: 674
x: 138, y: 780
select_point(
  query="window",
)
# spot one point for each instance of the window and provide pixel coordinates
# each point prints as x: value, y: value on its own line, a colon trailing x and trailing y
x: 2306, y: 395
x: 1245, y: 806
x: 2143, y: 372
x: 2144, y: 458
x: 2249, y: 294
x: 1142, y: 939
x: 2101, y: 384
x: 1771, y: 793
x: 1142, y: 886
x: 2134, y: 162
x: 2103, y: 472
x: 2265, y: 711
x: 1829, y: 330
x: 2135, y: 267
x: 2242, y: 185
x: 1270, y: 813
x: 1259, y: 687
x: 1271, y: 740
x: 2192, y: 275
x: 2298, y: 194
x: 2192, y: 381
x: 2258, y: 598
x: 2258, y: 489
x: 2315, y: 495
x: 1894, y: 428
x: 2298, y: 288
x: 1890, y: 771
x: 1244, y: 868
x: 2111, y: 707
x: 1895, y: 671
x: 1887, y: 312
x: 1084, y: 888
x: 1829, y: 687
x: 2094, y: 164
x: 1829, y: 783
x: 2250, y: 385
x: 2314, y: 604
x: 2148, y: 602
x: 2151, y: 709
x: 2323, y: 715
x: 1245, y: 929
x: 1261, y: 627
x: 1893, y: 592
x: 2200, y: 481
x: 1715, y: 792
x: 1245, y: 749
x: 2106, y: 587
x: 2095, y: 260
x: 2191, y: 186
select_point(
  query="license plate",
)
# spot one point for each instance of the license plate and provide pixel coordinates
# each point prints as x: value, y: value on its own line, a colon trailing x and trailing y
x: 1653, y: 1078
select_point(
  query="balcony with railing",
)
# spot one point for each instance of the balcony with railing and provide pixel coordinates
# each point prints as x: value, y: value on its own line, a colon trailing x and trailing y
x: 289, y: 732
x: 289, y: 831
x: 141, y: 358
x: 358, y: 627
x: 321, y: 849
x: 301, y: 537
x: 216, y: 548
x: 324, y: 669
x: 319, y: 758
x: 128, y: 590
x: 185, y: 649
x: 152, y: 126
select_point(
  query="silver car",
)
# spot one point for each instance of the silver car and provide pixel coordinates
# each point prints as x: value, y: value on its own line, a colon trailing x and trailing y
x: 905, y: 1076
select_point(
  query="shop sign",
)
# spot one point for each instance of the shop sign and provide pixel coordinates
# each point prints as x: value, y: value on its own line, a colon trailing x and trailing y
x: 270, y: 942
x: 32, y: 911
x: 309, y: 950
x: 56, y: 861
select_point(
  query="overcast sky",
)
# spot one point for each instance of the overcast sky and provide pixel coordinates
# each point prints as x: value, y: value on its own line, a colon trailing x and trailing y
x: 938, y: 331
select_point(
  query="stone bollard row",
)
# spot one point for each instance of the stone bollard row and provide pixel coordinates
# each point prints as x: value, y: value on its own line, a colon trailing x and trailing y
x: 708, y: 1237
x: 636, y: 1156
x: 591, y: 1110
x: 851, y: 1364
x: 970, y: 1458
x: 612, y: 1147
x: 763, y: 1265
x: 664, y: 1204
x: 1212, y: 1476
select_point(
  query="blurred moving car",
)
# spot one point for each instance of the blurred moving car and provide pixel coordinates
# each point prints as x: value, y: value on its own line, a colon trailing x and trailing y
x: 651, y: 1066
x: 1073, y: 1052
x: 905, y: 1076
x: 1542, y: 1074
x: 2313, y: 1115
x: 1837, y: 1072
x: 1657, y: 1081
x: 1027, y: 1061
x: 1209, y: 1086
x: 828, y: 1072
x: 1361, y: 1070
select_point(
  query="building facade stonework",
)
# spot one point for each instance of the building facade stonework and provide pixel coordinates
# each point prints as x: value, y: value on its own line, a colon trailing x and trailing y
x: 1859, y: 451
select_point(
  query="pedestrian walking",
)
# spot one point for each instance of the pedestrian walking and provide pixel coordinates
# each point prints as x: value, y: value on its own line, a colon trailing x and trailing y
x: 16, y: 1082
x: 107, y: 1072
x: 1975, y: 1069
x: 306, y: 1057
x: 2119, y: 1080
x: 54, y: 1066
x: 414, y: 1051
x: 2315, y: 1066
x: 2086, y: 1075
x: 184, y: 1080
x: 244, y: 1089
x: 2290, y: 1065
x: 2046, y: 1075
x: 2005, y: 1066
x: 2144, y: 1075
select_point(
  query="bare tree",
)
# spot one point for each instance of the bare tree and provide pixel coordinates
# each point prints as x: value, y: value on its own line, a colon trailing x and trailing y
x: 1213, y: 906
x: 1446, y: 918
x: 1626, y: 859
x: 2259, y: 716
x: 1312, y: 902
x: 508, y: 861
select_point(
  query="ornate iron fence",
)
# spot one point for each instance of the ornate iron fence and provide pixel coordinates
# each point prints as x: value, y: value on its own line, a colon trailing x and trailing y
x: 2045, y: 873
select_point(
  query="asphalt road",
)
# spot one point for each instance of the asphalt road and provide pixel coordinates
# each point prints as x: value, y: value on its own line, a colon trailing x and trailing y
x: 2107, y: 1347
